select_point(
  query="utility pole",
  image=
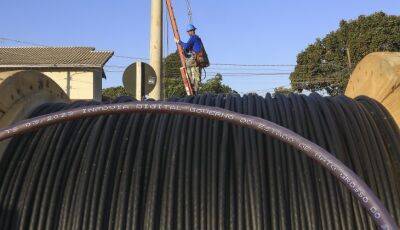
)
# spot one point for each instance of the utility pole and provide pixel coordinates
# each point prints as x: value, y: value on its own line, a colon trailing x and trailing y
x: 156, y: 48
x: 348, y: 57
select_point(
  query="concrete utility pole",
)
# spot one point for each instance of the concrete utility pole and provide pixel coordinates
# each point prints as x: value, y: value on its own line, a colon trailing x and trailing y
x: 348, y: 57
x: 156, y: 48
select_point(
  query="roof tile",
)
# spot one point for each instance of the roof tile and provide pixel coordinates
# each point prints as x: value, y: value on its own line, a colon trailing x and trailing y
x: 53, y: 56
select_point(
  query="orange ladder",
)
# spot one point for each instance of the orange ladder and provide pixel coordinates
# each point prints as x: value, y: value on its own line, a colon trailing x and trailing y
x: 184, y: 75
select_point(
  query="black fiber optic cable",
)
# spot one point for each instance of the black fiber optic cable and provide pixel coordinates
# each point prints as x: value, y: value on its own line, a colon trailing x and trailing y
x: 162, y: 171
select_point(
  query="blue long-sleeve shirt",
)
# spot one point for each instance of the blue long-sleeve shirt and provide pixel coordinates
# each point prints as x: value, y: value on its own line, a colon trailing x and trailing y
x: 194, y: 44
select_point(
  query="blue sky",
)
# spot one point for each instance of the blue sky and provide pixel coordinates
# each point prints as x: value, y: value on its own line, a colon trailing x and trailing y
x: 242, y: 32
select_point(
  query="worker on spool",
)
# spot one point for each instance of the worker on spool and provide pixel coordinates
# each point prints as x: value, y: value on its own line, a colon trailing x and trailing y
x: 196, y: 57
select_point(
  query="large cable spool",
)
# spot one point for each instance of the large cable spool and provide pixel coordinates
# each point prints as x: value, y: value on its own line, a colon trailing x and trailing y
x: 378, y: 76
x: 147, y: 171
x: 23, y: 91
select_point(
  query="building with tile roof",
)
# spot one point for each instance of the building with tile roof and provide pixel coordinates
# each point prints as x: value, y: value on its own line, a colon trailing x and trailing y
x: 77, y: 70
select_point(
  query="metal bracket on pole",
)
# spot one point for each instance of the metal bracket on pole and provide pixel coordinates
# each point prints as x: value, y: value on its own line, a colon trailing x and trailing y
x: 140, y: 81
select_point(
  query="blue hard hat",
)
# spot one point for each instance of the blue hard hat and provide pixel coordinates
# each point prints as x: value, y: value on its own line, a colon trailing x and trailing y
x: 190, y: 27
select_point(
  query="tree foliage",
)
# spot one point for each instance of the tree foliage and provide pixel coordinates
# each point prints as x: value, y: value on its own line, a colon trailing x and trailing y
x: 324, y: 64
x: 174, y: 85
x: 114, y: 92
x: 173, y: 82
x: 283, y: 90
x: 214, y: 85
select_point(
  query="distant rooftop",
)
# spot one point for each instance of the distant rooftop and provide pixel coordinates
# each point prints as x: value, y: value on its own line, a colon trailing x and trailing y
x: 53, y: 57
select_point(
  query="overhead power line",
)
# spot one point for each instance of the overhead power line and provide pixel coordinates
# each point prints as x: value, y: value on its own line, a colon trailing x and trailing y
x: 261, y: 65
x: 189, y: 9
x: 22, y: 42
x: 130, y: 57
x: 212, y: 64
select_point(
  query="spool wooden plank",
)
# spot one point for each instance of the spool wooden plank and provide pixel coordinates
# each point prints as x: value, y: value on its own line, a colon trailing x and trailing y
x: 378, y: 76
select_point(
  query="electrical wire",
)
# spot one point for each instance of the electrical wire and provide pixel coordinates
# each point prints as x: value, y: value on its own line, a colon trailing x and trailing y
x: 189, y: 10
x: 212, y: 64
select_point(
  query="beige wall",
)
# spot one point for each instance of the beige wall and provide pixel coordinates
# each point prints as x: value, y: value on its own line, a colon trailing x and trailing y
x: 78, y: 85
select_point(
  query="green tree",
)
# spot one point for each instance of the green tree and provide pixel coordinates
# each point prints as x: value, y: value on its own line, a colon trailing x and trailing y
x: 173, y: 81
x: 114, y: 92
x: 174, y: 85
x: 283, y: 90
x: 214, y: 85
x: 324, y: 64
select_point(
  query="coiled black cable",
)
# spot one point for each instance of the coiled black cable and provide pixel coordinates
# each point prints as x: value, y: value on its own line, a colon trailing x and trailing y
x: 146, y: 171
